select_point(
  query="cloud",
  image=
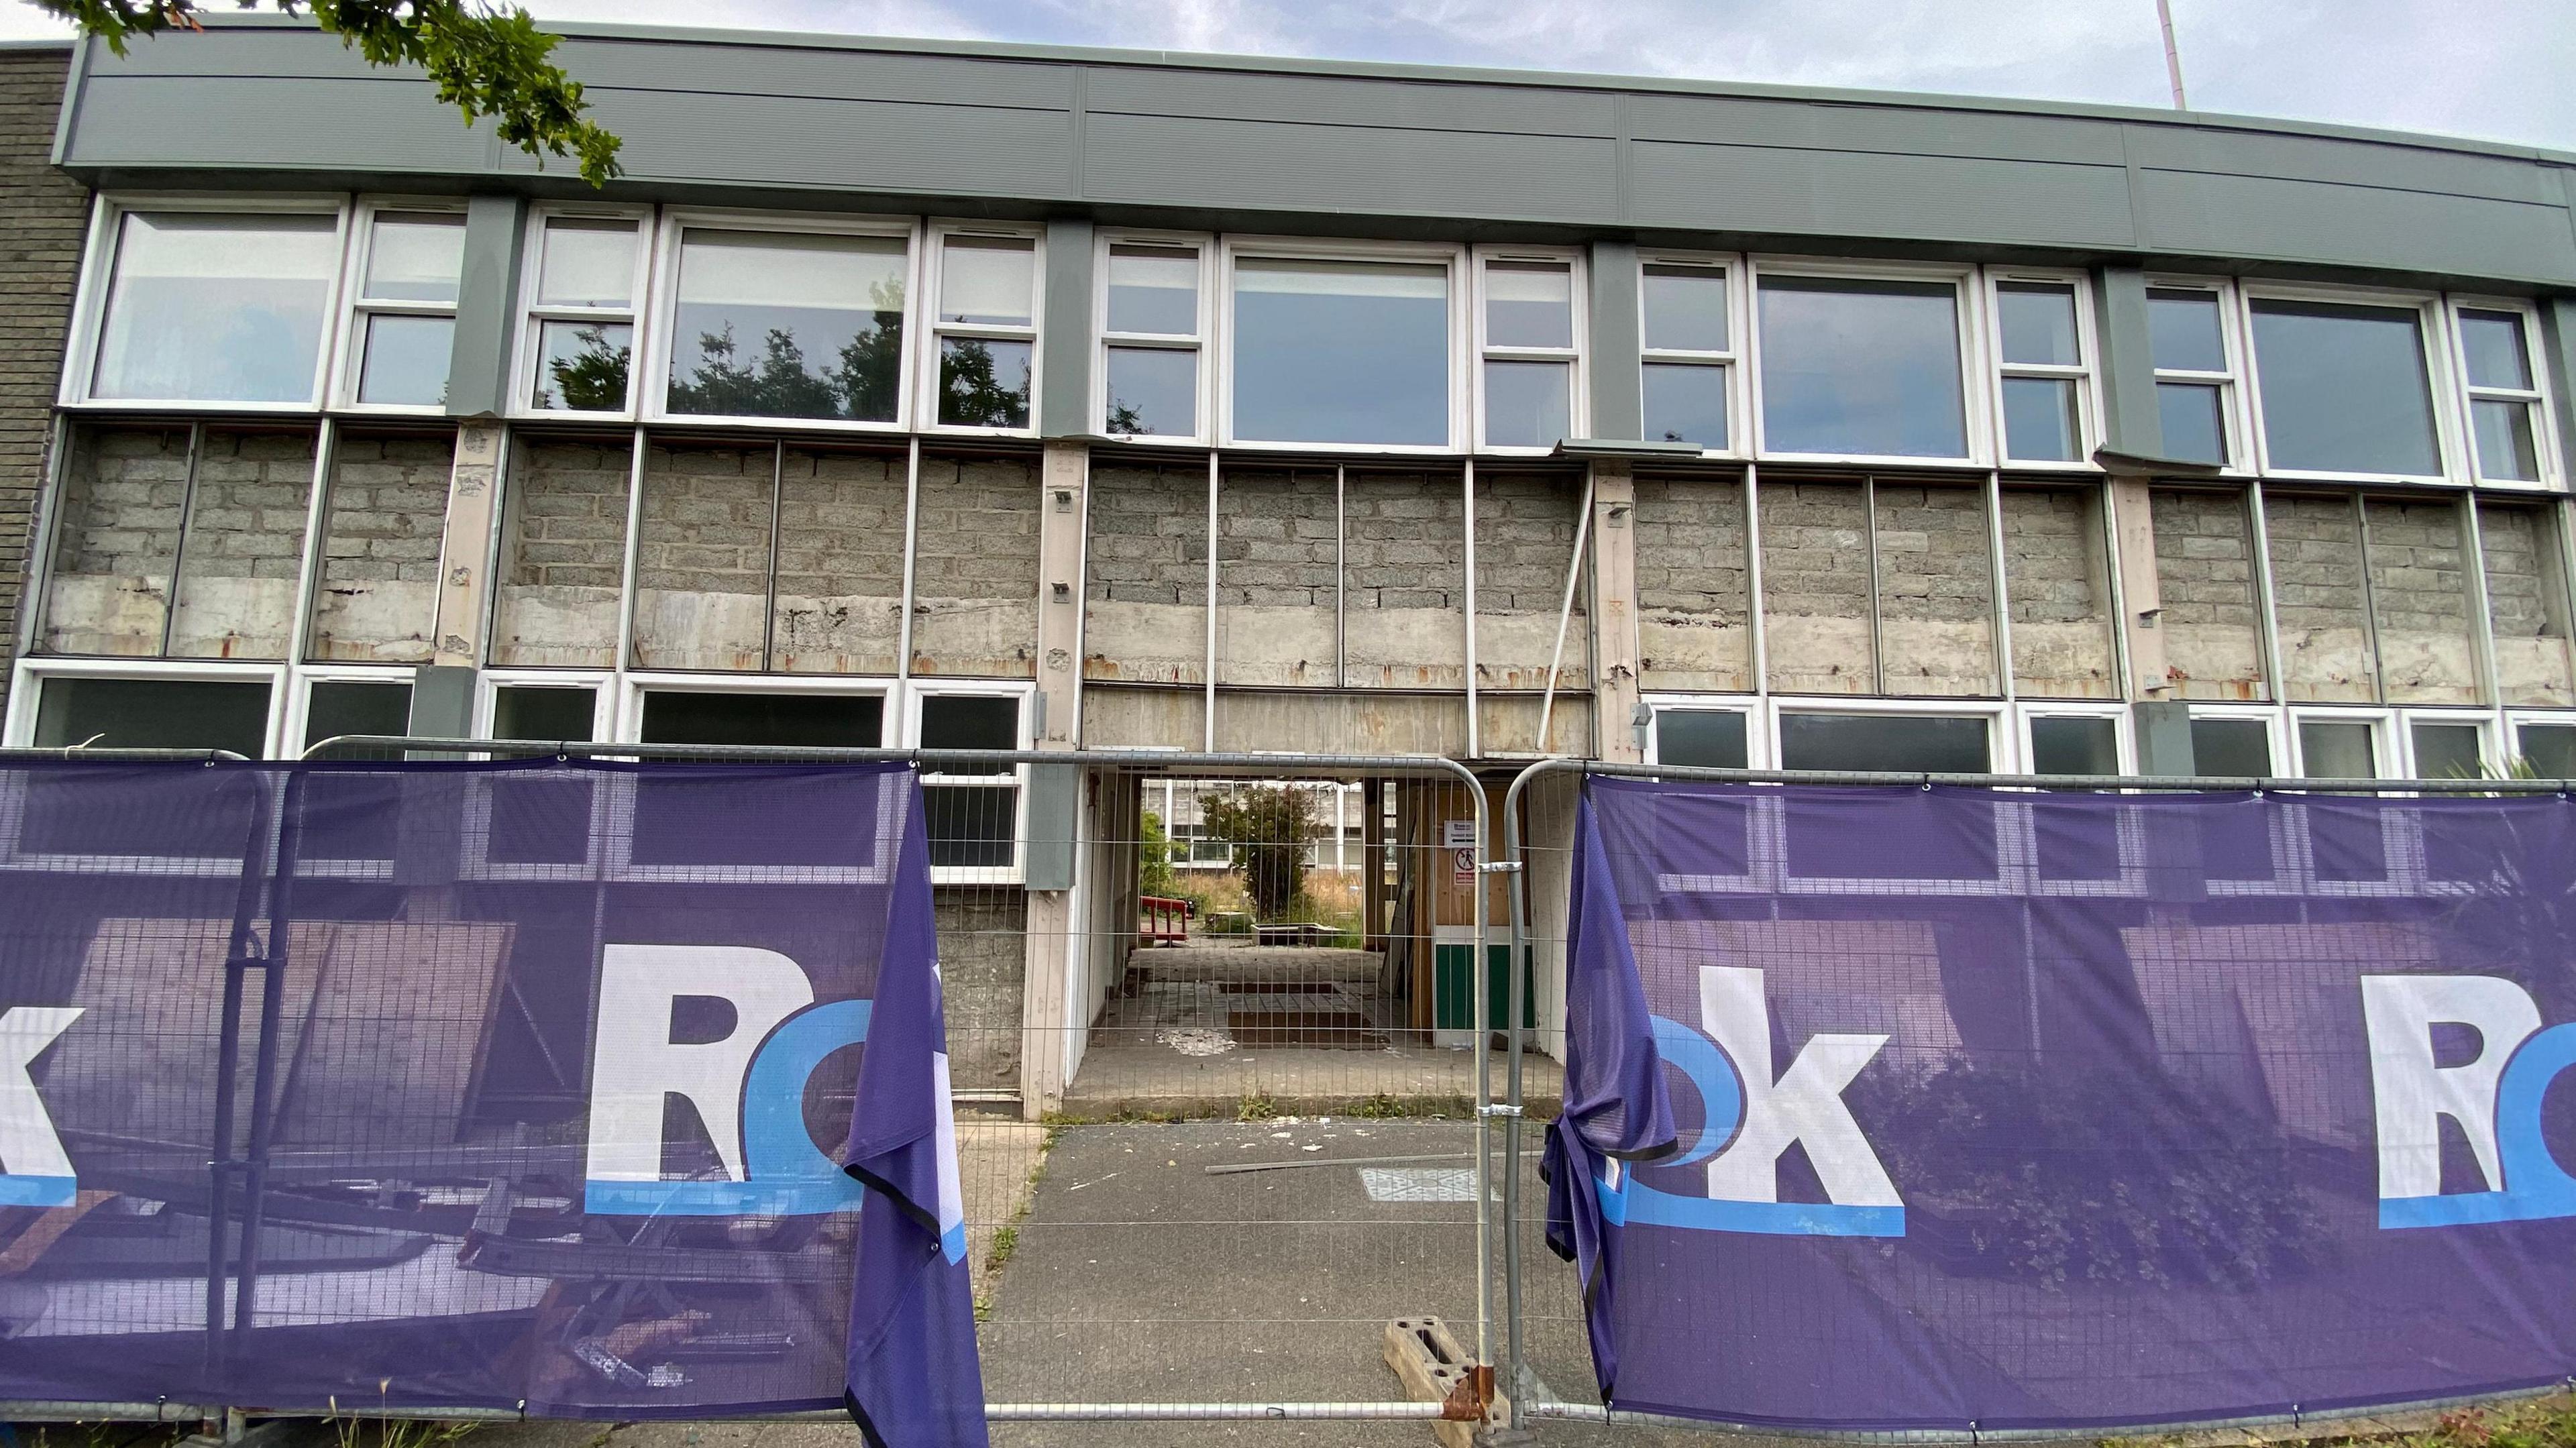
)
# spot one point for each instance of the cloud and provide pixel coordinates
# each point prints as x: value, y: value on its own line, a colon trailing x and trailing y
x: 2495, y: 70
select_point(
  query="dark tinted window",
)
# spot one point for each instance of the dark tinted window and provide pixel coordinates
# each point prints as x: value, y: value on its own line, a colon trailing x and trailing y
x: 846, y: 721
x: 537, y: 711
x: 2231, y: 748
x: 349, y: 707
x: 1905, y: 743
x: 1700, y: 738
x: 2074, y: 746
x: 153, y: 714
x: 969, y: 721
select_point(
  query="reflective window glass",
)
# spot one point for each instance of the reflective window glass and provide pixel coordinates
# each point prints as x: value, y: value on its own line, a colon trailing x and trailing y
x: 2447, y: 751
x: 406, y: 359
x: 770, y: 324
x: 2338, y: 749
x: 588, y: 263
x: 415, y: 257
x: 1685, y: 309
x: 211, y: 308
x: 2039, y: 420
x: 984, y: 382
x: 1528, y: 304
x: 2194, y: 431
x: 1526, y: 402
x: 2493, y: 348
x: 1700, y: 738
x: 2072, y: 745
x: 1341, y: 352
x: 1908, y: 743
x: 2344, y: 388
x: 987, y: 280
x: 2182, y: 330
x: 1153, y: 391
x: 1861, y: 367
x: 2548, y: 749
x: 1154, y: 289
x: 582, y: 366
x: 1685, y: 403
x: 2038, y: 324
x: 2231, y: 748
x: 2507, y: 450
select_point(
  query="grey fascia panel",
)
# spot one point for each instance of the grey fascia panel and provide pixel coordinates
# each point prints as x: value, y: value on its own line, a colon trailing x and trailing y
x: 2558, y: 346
x: 1618, y: 388
x: 2131, y: 422
x: 1272, y: 166
x: 1416, y: 105
x: 1064, y: 403
x: 1839, y: 193
x: 794, y: 70
x: 2312, y: 158
x: 478, y: 368
x: 1900, y: 129
x: 369, y: 124
x: 277, y: 52
x: 2363, y: 226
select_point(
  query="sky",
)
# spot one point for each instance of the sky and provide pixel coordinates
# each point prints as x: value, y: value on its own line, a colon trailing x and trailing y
x: 2493, y: 69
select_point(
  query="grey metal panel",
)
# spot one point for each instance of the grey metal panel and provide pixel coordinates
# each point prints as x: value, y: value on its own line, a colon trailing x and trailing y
x: 843, y: 145
x: 2316, y: 158
x: 1055, y: 798
x: 2163, y: 731
x: 379, y: 124
x: 1618, y: 403
x: 1277, y: 167
x: 2130, y: 422
x: 1840, y: 193
x: 2558, y: 342
x: 1065, y: 408
x: 2267, y: 218
x: 790, y: 69
x: 442, y: 701
x: 1420, y: 105
x: 1910, y: 129
x: 241, y: 51
x: 478, y: 366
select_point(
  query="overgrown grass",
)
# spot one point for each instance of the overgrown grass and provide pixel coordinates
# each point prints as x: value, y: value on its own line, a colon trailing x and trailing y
x: 2547, y: 1422
x: 1256, y: 1107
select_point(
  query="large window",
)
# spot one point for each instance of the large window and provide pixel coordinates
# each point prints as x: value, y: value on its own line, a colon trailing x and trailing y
x: 986, y: 325
x: 216, y: 307
x: 2045, y: 382
x: 580, y: 336
x: 1862, y: 367
x: 75, y: 710
x: 1341, y: 351
x: 787, y: 324
x: 2343, y: 388
x: 1908, y: 743
x: 1528, y: 325
x: 2187, y: 339
x: 1688, y: 367
x: 1701, y: 738
x: 402, y: 323
x: 2507, y: 415
x: 972, y: 812
x: 1152, y: 327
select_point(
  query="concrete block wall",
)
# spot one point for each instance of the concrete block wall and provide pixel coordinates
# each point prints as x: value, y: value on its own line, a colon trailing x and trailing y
x: 975, y: 571
x: 702, y: 557
x: 2526, y: 600
x: 2205, y: 583
x: 2057, y: 579
x: 984, y: 959
x: 1694, y: 624
x: 1145, y: 601
x: 1816, y: 587
x: 240, y: 562
x: 1278, y: 558
x: 48, y: 216
x: 563, y: 553
x: 2419, y: 586
x: 840, y: 562
x: 375, y: 598
x: 1525, y: 526
x: 2319, y: 603
x: 125, y: 492
x: 1936, y: 591
x: 1404, y: 577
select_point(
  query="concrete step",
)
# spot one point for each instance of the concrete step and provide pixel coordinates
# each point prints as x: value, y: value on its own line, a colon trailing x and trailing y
x: 1292, y: 963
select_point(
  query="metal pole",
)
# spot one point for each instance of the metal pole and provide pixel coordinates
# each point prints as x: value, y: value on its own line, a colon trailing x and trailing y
x: 2173, y: 56
x: 1565, y: 614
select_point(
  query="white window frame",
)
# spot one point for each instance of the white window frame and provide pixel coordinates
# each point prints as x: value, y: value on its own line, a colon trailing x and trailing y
x: 1017, y: 778
x: 2086, y: 373
x: 2274, y: 720
x: 2539, y: 399
x: 2433, y: 335
x: 2235, y: 391
x: 2508, y: 743
x: 2026, y: 753
x: 658, y: 341
x: 630, y: 689
x: 2386, y: 747
x: 299, y: 702
x: 934, y: 332
x: 1733, y: 361
x: 2482, y: 720
x: 28, y: 681
x: 356, y: 309
x: 1235, y: 249
x: 1575, y: 357
x: 601, y: 682
x: 532, y: 317
x: 98, y: 266
x: 1203, y: 345
x: 1757, y: 726
x: 1976, y: 425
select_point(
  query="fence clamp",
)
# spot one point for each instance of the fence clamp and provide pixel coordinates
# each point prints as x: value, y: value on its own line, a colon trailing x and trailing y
x: 1501, y: 867
x: 1497, y: 1108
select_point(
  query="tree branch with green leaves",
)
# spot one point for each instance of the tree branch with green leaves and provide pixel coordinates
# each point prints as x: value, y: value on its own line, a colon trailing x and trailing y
x: 485, y: 60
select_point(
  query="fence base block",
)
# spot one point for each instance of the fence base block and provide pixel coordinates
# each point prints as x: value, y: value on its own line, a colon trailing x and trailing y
x: 1436, y: 1369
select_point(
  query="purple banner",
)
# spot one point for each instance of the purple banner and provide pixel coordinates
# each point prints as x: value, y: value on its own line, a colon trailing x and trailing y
x: 2025, y: 1110
x: 485, y: 1085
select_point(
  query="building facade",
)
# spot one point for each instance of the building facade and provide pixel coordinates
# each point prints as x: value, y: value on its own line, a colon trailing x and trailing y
x: 948, y: 395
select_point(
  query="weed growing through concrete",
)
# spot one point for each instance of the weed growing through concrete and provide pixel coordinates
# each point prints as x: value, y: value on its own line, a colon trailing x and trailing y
x: 1256, y: 1107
